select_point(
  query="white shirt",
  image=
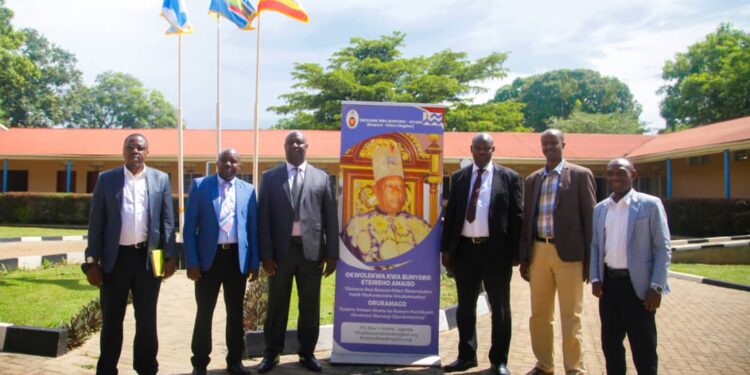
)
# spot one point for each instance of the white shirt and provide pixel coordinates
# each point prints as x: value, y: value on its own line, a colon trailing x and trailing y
x: 134, y: 213
x: 616, y: 232
x: 481, y: 226
x: 296, y: 231
x: 223, y: 237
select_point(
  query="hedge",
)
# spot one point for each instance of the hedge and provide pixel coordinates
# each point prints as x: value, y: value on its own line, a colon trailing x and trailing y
x: 48, y: 208
x: 693, y: 217
x: 687, y: 216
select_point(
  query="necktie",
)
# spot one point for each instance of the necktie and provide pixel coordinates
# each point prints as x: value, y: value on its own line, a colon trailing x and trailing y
x: 226, y: 220
x: 471, y: 213
x: 295, y: 193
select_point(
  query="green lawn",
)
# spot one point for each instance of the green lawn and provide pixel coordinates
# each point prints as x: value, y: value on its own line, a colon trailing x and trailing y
x: 10, y: 232
x: 44, y: 297
x: 328, y: 290
x: 739, y: 274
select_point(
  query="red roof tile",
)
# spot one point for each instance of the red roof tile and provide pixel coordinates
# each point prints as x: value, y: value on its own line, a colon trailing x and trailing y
x: 201, y: 143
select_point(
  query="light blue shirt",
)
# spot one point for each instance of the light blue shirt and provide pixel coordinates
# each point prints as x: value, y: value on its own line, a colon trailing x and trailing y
x: 223, y: 237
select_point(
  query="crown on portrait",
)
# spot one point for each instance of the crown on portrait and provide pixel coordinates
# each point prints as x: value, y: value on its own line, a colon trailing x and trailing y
x: 386, y: 161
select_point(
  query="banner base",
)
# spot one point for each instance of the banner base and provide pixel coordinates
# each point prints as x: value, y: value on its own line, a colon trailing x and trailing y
x: 340, y: 356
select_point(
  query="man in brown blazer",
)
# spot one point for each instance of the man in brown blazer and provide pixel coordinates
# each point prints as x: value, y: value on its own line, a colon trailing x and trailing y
x: 559, y: 203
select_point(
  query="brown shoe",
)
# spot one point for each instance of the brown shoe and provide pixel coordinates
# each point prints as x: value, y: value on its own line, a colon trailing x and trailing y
x: 538, y: 371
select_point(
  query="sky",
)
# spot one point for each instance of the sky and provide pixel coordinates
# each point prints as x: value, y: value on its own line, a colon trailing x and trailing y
x: 630, y: 40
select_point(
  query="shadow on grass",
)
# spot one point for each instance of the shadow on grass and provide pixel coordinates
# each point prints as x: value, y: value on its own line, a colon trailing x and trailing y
x: 69, y: 283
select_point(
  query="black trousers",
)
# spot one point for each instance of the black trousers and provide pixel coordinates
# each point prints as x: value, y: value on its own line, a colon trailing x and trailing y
x: 307, y: 274
x: 224, y: 273
x: 129, y: 275
x: 474, y: 265
x: 622, y: 313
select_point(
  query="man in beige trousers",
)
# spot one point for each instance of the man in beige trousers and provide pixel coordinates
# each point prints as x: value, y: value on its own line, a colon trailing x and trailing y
x: 559, y: 202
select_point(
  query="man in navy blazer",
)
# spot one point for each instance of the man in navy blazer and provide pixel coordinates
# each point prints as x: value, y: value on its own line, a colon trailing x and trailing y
x: 630, y: 257
x: 221, y: 249
x: 131, y: 215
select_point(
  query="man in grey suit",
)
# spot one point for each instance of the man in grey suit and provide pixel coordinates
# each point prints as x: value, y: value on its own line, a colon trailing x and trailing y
x: 298, y: 237
x: 630, y: 257
x: 131, y: 215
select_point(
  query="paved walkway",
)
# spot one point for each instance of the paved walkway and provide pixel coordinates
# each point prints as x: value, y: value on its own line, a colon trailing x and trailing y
x: 702, y: 328
x: 21, y: 249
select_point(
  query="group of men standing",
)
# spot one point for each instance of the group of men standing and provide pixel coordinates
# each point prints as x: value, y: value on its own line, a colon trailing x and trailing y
x: 292, y: 231
x: 562, y: 239
x: 551, y: 226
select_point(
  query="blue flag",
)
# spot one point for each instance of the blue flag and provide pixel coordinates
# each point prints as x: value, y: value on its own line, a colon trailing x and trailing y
x: 175, y: 12
x: 239, y: 12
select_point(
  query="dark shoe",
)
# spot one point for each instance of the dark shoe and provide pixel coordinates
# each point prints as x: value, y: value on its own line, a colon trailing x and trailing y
x: 310, y: 362
x: 499, y: 369
x: 238, y: 369
x: 267, y: 364
x: 199, y: 371
x: 538, y: 371
x: 460, y: 365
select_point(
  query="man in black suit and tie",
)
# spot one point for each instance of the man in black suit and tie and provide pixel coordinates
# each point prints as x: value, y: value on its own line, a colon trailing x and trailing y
x: 298, y: 237
x: 131, y: 215
x: 480, y: 246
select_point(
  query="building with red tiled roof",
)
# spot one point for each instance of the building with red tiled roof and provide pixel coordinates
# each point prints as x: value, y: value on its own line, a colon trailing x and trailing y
x: 711, y: 161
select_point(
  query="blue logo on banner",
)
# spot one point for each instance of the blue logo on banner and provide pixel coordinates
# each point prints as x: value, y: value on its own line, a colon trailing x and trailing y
x: 432, y: 119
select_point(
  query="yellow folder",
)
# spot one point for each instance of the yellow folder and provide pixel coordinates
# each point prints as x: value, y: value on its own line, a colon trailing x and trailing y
x: 157, y: 262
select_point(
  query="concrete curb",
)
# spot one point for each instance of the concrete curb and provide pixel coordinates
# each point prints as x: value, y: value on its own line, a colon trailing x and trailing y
x: 47, y: 342
x: 36, y: 261
x: 254, y: 341
x: 44, y: 238
x: 707, y: 281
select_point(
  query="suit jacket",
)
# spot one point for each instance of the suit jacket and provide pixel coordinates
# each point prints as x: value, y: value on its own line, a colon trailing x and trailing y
x: 105, y: 221
x: 202, y: 224
x: 648, y: 248
x: 318, y: 215
x: 574, y: 207
x: 505, y: 212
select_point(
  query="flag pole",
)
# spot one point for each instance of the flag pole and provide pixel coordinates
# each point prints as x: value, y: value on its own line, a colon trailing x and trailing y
x: 180, y: 155
x: 256, y: 177
x: 218, y: 85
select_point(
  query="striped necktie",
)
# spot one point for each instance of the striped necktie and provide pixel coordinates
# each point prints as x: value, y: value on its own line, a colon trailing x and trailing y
x: 226, y: 215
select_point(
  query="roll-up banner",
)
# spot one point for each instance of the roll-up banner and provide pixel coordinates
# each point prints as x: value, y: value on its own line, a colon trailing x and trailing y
x: 388, y: 275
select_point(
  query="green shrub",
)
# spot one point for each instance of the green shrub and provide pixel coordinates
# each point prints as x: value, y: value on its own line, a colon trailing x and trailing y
x: 693, y: 217
x: 49, y: 208
x: 256, y: 303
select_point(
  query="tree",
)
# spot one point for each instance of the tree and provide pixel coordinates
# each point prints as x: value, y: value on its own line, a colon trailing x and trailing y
x: 15, y: 69
x: 555, y: 94
x: 375, y: 70
x: 488, y: 117
x: 603, y: 123
x: 119, y: 100
x: 710, y: 82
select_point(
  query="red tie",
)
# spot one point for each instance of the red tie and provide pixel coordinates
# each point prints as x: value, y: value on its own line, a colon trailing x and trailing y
x: 471, y: 214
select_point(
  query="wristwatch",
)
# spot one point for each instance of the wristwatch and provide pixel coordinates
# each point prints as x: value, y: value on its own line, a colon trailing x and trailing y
x: 658, y: 289
x: 89, y: 262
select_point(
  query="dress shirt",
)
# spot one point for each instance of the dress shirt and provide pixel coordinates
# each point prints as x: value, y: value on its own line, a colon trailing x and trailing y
x: 545, y: 221
x: 223, y: 237
x: 616, y: 232
x: 134, y: 213
x: 296, y: 231
x: 481, y: 226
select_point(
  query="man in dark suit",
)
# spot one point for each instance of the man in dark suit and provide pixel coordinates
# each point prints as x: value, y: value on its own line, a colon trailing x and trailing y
x: 221, y: 251
x: 298, y: 238
x: 131, y: 215
x: 558, y: 203
x: 630, y: 257
x: 480, y: 246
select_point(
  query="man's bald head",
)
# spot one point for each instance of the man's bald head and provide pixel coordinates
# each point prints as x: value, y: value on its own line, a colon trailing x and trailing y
x: 553, y: 143
x: 228, y: 164
x: 620, y: 176
x: 482, y: 147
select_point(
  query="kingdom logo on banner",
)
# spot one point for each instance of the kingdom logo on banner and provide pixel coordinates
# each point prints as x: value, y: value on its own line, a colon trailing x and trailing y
x: 388, y: 276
